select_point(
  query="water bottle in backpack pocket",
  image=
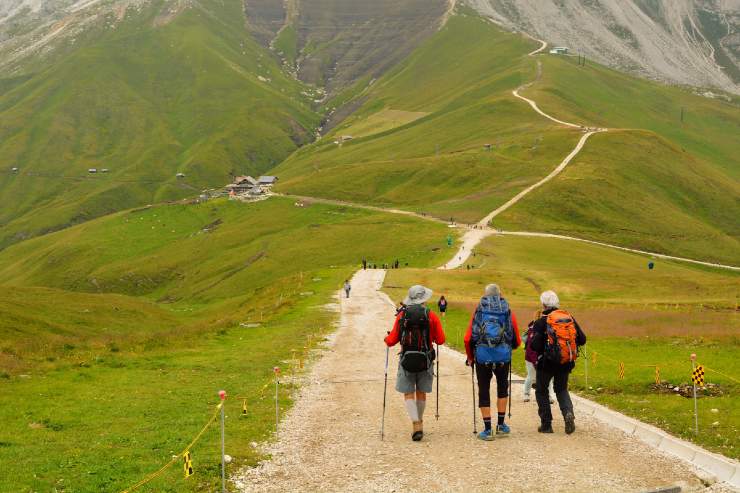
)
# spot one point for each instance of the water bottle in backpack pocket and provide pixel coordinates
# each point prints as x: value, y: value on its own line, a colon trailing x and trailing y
x: 493, y: 332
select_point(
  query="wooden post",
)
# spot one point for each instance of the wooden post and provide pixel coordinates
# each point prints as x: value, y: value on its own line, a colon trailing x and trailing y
x: 696, y: 408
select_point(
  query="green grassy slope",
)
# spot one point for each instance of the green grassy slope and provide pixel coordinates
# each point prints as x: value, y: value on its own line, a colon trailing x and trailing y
x: 150, y: 313
x: 40, y: 325
x: 597, y: 95
x: 462, y: 77
x: 582, y: 274
x: 636, y: 189
x: 146, y: 101
x: 192, y: 266
x: 659, y: 185
x: 663, y: 187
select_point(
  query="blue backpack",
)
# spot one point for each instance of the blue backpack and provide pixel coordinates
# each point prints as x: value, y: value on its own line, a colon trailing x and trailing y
x: 492, y: 331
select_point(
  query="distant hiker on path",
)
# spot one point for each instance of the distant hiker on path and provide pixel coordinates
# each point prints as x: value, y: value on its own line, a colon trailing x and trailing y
x: 417, y: 329
x: 530, y: 360
x: 492, y: 334
x: 347, y: 287
x: 556, y: 337
x: 364, y: 264
x: 442, y: 305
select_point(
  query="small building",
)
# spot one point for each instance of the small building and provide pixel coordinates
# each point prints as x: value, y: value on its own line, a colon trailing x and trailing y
x: 245, y: 180
x: 14, y: 170
x: 92, y: 170
x: 104, y: 170
x: 242, y: 184
x: 267, y: 181
x: 559, y: 50
x: 345, y: 138
x: 180, y: 175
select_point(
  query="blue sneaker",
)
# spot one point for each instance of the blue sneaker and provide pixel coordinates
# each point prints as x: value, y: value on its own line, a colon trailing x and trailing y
x: 486, y: 435
x: 503, y: 429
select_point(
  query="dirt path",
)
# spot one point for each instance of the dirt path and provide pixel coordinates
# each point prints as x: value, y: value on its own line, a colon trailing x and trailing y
x: 633, y: 250
x: 473, y: 237
x: 330, y: 440
x: 344, y: 203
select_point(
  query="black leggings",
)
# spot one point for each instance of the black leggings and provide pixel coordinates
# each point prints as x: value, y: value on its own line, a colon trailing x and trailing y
x: 485, y: 375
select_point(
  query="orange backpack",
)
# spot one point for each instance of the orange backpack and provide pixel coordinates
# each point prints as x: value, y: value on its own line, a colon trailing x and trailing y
x: 561, y: 338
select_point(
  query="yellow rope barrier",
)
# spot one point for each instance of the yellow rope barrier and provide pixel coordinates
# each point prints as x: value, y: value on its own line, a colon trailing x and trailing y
x: 174, y: 459
x: 720, y: 373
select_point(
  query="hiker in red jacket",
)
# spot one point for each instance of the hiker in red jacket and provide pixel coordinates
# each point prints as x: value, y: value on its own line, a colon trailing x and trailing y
x: 492, y: 335
x: 417, y: 329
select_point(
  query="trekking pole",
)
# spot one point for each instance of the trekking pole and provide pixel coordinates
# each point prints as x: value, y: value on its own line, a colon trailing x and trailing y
x: 276, y: 370
x: 693, y: 381
x: 385, y: 389
x: 472, y: 382
x: 436, y: 416
x: 510, y: 389
x: 222, y: 396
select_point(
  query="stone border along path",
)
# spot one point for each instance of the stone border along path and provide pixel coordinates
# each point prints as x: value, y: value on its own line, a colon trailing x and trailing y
x: 329, y: 441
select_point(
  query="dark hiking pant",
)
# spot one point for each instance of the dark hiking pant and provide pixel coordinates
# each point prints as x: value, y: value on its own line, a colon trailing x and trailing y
x: 485, y: 374
x: 560, y: 374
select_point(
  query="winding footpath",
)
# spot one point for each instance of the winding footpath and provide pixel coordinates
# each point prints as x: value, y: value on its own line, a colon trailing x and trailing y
x: 476, y: 233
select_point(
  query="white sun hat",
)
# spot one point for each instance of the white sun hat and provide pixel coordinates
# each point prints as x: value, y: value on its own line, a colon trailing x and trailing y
x: 417, y: 295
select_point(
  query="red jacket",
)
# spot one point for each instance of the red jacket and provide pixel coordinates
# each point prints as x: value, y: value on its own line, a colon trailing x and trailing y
x: 436, y: 333
x: 469, y: 334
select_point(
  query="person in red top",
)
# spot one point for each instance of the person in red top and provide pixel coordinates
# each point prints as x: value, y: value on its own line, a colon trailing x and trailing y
x: 417, y: 329
x: 491, y: 359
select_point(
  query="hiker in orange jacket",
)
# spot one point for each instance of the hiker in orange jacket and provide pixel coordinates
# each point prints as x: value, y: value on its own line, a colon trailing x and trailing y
x: 491, y: 336
x: 417, y: 329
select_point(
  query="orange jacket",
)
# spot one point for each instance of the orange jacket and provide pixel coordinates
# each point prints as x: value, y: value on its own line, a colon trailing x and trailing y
x: 436, y: 333
x: 469, y: 335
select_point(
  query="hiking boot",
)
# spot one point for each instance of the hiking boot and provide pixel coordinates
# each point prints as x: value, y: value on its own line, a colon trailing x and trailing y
x: 526, y: 398
x: 570, y: 423
x: 418, y: 433
x: 503, y: 429
x: 552, y: 400
x: 545, y: 428
x: 486, y: 435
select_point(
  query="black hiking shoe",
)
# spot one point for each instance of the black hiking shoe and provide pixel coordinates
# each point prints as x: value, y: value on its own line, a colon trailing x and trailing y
x: 570, y: 423
x: 545, y: 428
x: 418, y: 433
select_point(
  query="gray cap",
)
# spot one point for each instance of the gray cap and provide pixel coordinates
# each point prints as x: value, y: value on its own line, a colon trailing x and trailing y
x: 493, y: 290
x: 549, y: 299
x: 417, y: 295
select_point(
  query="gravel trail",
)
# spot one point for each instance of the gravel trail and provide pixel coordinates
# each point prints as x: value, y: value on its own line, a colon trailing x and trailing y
x: 330, y: 440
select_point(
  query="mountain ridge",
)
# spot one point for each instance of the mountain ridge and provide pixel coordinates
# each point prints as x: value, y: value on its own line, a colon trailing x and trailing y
x: 677, y: 41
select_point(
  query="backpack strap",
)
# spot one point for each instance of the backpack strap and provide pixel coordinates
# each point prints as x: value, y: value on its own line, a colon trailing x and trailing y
x: 425, y: 332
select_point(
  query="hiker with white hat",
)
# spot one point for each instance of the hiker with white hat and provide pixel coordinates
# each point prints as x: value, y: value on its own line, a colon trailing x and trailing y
x: 417, y: 328
x: 556, y: 339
